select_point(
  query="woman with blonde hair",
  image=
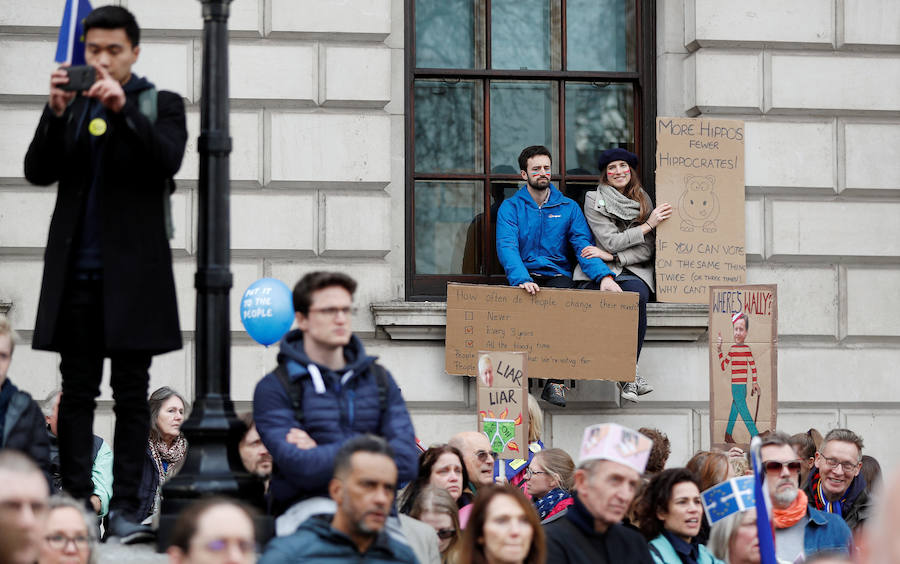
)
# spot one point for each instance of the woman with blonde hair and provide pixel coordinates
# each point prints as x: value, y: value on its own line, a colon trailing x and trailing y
x: 436, y: 507
x: 70, y: 533
x: 550, y: 477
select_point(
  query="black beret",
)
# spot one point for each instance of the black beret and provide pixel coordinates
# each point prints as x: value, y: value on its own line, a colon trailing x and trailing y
x: 616, y: 154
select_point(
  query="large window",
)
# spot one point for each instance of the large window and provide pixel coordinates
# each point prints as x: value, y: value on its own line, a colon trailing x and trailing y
x: 486, y: 78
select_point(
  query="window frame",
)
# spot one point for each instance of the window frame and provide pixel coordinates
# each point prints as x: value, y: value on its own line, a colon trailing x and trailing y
x: 433, y: 287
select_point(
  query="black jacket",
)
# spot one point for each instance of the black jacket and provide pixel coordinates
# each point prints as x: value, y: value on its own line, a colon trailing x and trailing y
x: 571, y: 539
x: 24, y: 429
x: 140, y: 312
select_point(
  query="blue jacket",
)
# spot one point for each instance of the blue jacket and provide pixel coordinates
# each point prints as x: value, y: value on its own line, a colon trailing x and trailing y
x: 544, y: 240
x: 345, y: 404
x: 316, y: 542
x: 663, y: 552
x: 826, y: 532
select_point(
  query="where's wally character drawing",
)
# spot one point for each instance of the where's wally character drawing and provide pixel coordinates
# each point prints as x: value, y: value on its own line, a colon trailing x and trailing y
x: 741, y: 359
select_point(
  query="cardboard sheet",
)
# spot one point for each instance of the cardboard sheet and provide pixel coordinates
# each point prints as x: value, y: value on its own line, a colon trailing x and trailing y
x: 727, y: 399
x: 502, y: 386
x: 700, y: 172
x: 567, y: 334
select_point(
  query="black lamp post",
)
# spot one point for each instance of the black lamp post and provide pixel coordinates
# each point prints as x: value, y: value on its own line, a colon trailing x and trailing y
x: 213, y: 465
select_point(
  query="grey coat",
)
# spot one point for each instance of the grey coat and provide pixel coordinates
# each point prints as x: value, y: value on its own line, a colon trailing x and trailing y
x: 622, y: 238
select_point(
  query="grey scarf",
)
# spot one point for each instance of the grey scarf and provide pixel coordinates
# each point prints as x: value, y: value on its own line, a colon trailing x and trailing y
x: 616, y: 203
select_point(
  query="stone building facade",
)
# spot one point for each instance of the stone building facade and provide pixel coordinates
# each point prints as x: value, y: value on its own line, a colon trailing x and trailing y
x: 319, y: 102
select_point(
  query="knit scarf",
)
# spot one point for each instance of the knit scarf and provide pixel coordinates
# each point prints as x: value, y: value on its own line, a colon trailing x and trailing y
x: 160, y: 452
x: 821, y: 501
x: 616, y: 203
x: 789, y: 516
x: 546, y: 504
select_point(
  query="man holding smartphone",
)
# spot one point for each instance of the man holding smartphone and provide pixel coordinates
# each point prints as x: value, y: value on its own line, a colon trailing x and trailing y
x: 108, y: 289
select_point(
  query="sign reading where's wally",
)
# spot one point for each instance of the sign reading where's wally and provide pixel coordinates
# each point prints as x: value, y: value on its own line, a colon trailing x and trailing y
x: 503, y: 402
x: 743, y: 363
x: 700, y: 172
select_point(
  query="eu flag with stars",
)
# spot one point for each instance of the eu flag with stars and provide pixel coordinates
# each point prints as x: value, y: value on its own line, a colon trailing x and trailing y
x: 70, y: 45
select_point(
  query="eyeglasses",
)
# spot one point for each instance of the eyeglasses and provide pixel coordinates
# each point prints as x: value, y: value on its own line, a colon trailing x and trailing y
x: 484, y: 455
x: 529, y: 472
x: 774, y: 467
x: 445, y: 534
x: 845, y: 466
x: 334, y: 311
x: 59, y: 541
x: 220, y: 545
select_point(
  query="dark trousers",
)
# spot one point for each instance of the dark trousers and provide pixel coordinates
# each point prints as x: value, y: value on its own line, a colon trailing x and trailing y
x: 638, y: 286
x: 80, y: 335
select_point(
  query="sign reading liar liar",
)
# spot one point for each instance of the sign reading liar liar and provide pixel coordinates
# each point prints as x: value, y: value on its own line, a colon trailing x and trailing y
x: 743, y: 362
x: 700, y: 172
x: 575, y: 334
x: 502, y: 402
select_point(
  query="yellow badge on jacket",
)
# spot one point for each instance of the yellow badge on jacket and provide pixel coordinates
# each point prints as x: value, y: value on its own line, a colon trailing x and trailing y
x: 97, y: 127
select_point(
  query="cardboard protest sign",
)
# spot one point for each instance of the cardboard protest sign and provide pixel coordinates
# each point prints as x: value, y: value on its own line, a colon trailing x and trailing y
x: 574, y: 334
x: 502, y: 386
x: 743, y: 362
x: 700, y: 172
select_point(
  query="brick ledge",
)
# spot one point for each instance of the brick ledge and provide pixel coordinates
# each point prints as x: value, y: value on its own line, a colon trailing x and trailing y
x: 427, y: 321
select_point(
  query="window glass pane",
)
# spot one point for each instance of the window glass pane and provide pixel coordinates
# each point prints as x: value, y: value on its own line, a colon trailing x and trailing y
x: 500, y: 190
x: 448, y: 34
x: 577, y: 190
x: 448, y: 226
x: 522, y: 114
x: 448, y: 126
x: 598, y: 117
x: 524, y: 35
x: 600, y: 35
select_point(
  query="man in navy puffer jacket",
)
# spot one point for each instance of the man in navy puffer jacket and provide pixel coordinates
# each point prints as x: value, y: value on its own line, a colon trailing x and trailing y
x: 341, y: 396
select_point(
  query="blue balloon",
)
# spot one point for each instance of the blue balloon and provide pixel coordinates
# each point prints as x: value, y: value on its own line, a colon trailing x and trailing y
x: 267, y: 310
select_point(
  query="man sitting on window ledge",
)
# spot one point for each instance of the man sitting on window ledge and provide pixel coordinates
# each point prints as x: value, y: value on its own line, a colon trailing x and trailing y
x: 538, y: 232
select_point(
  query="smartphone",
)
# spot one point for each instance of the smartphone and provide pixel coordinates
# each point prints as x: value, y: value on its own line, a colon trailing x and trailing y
x: 81, y: 77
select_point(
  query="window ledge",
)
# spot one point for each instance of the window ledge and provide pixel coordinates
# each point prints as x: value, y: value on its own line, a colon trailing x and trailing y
x: 427, y: 321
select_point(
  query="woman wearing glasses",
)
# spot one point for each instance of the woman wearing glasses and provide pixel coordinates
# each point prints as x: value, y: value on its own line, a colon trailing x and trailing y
x: 550, y: 477
x: 69, y: 533
x: 436, y: 507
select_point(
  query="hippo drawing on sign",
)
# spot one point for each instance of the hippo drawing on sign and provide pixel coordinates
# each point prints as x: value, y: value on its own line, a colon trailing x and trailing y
x: 698, y: 205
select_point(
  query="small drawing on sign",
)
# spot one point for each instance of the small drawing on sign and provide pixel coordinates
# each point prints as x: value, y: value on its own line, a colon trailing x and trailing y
x: 470, y: 316
x: 698, y: 205
x: 469, y: 330
x: 469, y: 343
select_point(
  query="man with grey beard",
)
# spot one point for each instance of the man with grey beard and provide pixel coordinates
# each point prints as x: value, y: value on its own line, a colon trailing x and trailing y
x: 801, y: 530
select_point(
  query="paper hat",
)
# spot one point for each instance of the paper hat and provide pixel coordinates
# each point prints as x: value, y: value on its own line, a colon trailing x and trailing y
x: 610, y: 441
x: 728, y: 498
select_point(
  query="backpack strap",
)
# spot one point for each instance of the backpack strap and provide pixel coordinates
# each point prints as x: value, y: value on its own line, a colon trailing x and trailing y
x: 294, y: 391
x: 655, y: 552
x: 381, y: 380
x: 148, y: 101
x: 98, y: 442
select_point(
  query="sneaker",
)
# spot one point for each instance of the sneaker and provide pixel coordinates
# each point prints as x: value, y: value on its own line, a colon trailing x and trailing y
x: 643, y: 386
x: 555, y: 394
x: 628, y: 391
x: 128, y: 532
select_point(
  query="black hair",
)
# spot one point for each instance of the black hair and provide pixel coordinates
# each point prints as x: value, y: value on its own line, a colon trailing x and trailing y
x: 657, y: 495
x: 114, y: 17
x: 529, y: 152
x: 362, y: 443
x: 315, y: 281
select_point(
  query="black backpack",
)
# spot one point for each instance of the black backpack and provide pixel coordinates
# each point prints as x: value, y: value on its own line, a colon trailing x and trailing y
x: 295, y: 390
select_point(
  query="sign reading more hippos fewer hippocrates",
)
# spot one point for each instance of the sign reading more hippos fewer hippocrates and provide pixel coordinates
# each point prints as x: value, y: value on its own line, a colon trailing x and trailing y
x: 567, y: 334
x: 700, y: 172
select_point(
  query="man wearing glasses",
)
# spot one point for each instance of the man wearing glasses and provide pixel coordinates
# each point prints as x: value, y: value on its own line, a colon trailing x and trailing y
x: 801, y: 529
x: 478, y: 458
x: 325, y: 390
x: 836, y: 486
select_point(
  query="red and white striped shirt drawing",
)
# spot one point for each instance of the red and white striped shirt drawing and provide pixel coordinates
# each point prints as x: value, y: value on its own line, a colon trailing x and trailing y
x: 740, y: 357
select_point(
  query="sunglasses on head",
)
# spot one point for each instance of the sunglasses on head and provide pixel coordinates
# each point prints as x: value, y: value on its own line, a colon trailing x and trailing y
x: 774, y: 467
x: 445, y: 534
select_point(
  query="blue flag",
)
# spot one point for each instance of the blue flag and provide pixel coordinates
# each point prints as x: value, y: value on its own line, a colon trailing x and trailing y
x: 763, y: 524
x: 70, y: 45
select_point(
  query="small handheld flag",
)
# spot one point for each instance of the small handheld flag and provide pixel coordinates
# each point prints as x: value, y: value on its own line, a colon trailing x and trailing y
x: 70, y: 45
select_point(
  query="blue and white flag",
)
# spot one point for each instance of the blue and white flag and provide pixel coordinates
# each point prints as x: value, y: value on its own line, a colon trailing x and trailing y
x: 729, y: 497
x: 70, y: 45
x: 764, y: 529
